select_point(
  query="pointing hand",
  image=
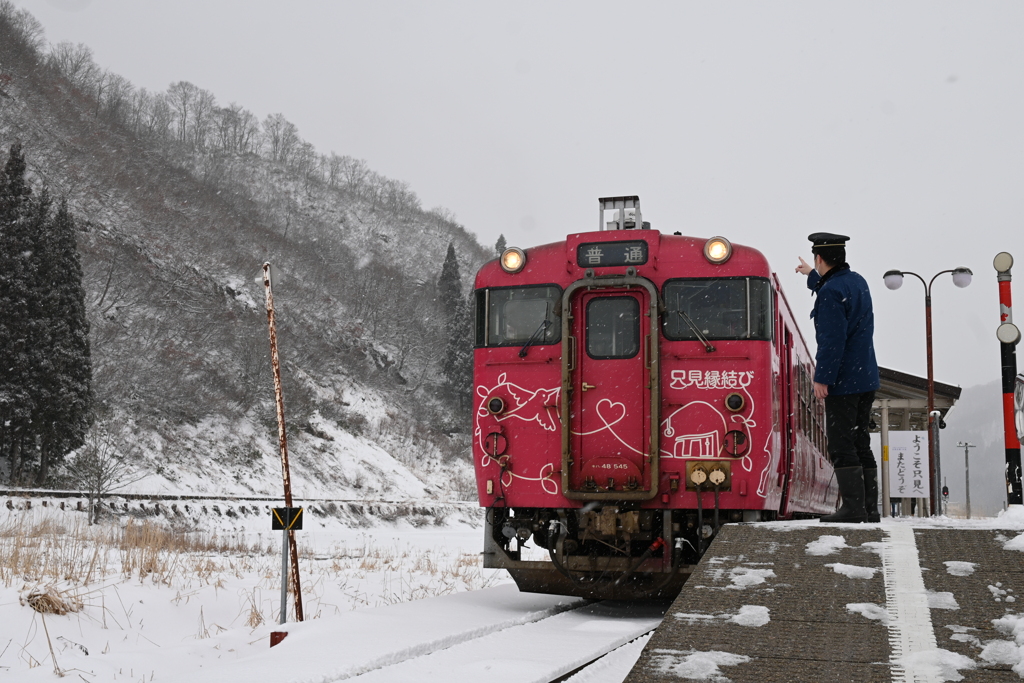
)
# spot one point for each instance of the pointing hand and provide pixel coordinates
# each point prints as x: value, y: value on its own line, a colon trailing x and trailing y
x: 804, y: 268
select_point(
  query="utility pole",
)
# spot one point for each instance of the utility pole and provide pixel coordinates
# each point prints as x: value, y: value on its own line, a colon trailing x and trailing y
x: 967, y: 472
x: 288, y: 535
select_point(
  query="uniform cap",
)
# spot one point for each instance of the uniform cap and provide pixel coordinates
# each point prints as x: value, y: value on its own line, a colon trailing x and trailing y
x: 827, y: 239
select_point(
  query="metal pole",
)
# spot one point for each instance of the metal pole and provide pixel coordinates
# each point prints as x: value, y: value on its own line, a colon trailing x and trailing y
x: 284, y: 577
x: 282, y: 437
x: 886, y: 501
x: 1013, y: 464
x: 967, y: 479
x: 1008, y: 360
x: 932, y: 470
x: 967, y: 473
x: 933, y: 446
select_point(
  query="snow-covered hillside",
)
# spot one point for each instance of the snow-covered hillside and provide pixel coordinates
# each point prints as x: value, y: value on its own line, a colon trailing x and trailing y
x: 174, y: 230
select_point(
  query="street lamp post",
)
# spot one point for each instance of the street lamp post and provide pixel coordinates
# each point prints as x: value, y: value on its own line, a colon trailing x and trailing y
x: 967, y: 472
x: 894, y: 280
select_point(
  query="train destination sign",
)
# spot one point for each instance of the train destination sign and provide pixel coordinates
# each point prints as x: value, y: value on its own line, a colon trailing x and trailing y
x: 597, y: 254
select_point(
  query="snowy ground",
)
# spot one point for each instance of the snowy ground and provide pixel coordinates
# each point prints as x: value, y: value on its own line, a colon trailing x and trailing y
x: 142, y: 601
x: 143, y: 609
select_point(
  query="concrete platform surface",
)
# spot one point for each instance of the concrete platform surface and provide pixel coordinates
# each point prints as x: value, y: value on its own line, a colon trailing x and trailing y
x: 805, y: 601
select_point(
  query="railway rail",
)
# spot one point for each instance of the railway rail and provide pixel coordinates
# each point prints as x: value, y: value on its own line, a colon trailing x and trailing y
x: 558, y: 648
x: 496, y: 634
x: 621, y: 659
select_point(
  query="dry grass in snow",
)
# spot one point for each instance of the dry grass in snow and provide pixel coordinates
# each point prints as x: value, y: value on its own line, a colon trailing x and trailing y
x: 116, y: 592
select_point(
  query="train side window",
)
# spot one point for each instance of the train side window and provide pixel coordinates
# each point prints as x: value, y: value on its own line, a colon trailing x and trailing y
x: 512, y: 316
x: 613, y: 327
x: 722, y: 308
x: 801, y: 400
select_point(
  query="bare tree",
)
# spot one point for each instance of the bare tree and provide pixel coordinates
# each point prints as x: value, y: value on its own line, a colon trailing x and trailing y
x: 281, y: 137
x: 353, y: 173
x: 118, y: 98
x: 160, y: 117
x: 202, y: 119
x: 181, y: 97
x: 75, y: 62
x: 333, y: 164
x: 102, y: 466
x: 29, y: 30
x: 138, y: 106
x: 306, y: 163
x: 235, y: 128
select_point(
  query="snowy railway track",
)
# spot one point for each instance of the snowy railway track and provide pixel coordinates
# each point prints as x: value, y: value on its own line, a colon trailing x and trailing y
x: 560, y: 647
x: 496, y: 635
x: 611, y: 667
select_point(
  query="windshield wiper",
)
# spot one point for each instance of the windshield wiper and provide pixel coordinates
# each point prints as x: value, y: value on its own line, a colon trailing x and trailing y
x: 707, y: 345
x: 533, y: 337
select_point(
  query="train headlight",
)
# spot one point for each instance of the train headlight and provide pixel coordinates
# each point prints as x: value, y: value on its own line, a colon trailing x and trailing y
x: 717, y: 250
x: 734, y: 402
x: 496, y: 406
x: 513, y: 259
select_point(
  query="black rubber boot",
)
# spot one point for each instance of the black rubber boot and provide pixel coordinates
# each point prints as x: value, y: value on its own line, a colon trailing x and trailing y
x: 851, y: 488
x: 871, y: 493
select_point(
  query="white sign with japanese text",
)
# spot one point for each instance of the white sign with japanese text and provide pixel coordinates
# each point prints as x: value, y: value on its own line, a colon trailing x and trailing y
x: 908, y: 465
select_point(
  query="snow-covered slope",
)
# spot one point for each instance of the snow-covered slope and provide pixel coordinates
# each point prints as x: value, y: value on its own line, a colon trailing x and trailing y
x: 172, y: 238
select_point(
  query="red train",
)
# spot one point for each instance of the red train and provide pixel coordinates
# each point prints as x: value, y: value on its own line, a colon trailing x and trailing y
x: 633, y: 391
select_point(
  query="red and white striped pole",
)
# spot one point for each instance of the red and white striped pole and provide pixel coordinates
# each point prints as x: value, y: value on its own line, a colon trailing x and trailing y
x: 1008, y: 336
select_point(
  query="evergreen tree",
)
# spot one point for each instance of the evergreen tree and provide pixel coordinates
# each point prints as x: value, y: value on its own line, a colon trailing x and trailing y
x: 457, y: 362
x: 449, y: 285
x: 457, y: 365
x: 500, y: 245
x: 35, y: 362
x: 65, y: 415
x: 16, y: 310
x: 45, y: 382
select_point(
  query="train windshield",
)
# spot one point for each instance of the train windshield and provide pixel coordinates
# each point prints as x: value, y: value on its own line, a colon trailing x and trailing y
x: 721, y: 308
x: 513, y: 316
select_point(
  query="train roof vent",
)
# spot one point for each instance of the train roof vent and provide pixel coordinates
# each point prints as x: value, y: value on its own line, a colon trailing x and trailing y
x: 620, y: 213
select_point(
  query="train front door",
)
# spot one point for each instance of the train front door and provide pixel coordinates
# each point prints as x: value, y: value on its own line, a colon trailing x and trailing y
x: 609, y: 394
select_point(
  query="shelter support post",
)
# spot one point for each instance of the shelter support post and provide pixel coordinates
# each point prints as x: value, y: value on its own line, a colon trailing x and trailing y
x: 886, y: 504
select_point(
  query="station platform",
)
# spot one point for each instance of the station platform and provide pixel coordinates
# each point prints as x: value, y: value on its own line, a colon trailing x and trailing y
x: 805, y: 601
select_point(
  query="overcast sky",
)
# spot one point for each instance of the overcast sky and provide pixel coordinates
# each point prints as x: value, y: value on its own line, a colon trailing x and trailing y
x: 899, y: 124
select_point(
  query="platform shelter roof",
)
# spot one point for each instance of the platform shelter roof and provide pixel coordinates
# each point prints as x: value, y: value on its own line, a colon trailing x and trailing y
x: 906, y: 396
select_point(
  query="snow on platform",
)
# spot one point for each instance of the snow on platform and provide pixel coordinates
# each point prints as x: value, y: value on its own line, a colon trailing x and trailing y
x: 905, y: 600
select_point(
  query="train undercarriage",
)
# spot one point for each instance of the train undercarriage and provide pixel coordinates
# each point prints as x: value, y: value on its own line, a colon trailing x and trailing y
x: 603, y: 551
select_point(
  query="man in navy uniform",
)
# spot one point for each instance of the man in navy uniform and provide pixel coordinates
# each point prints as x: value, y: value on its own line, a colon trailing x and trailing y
x: 845, y: 373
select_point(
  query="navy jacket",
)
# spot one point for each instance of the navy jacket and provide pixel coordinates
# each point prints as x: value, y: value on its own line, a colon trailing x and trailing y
x: 844, y: 327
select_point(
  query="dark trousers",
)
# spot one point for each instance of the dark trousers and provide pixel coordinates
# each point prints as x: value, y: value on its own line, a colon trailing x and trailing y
x: 847, y: 420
